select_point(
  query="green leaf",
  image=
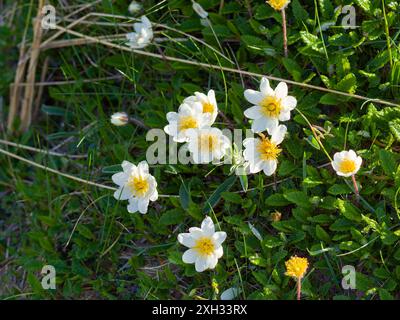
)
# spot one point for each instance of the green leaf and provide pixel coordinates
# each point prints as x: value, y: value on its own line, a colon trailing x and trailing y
x: 337, y: 189
x: 322, y: 234
x: 299, y: 198
x: 348, y: 84
x: 173, y: 216
x: 395, y: 128
x: 112, y: 169
x: 216, y: 196
x: 276, y: 200
x: 184, y: 195
x: 232, y: 197
x: 388, y: 162
x: 293, y: 68
x: 348, y: 210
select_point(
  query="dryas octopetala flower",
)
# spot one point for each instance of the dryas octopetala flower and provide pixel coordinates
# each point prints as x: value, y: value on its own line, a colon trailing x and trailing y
x: 119, y: 119
x: 189, y: 116
x: 208, y: 102
x: 346, y: 163
x: 136, y: 185
x: 199, y: 10
x: 270, y: 106
x: 205, y: 245
x: 278, y: 4
x: 262, y: 153
x: 134, y: 7
x: 207, y: 144
x: 142, y: 35
x: 296, y: 267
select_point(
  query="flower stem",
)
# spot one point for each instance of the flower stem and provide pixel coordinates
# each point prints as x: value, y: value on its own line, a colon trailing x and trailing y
x: 285, y: 48
x: 353, y: 177
x: 299, y: 289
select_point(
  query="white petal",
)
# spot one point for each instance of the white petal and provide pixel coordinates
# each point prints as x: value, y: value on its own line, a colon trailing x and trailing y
x: 120, y: 178
x: 127, y: 166
x: 253, y: 112
x: 265, y: 88
x: 122, y: 193
x: 201, y: 264
x: 219, y: 237
x: 284, y: 116
x: 269, y: 167
x: 252, y: 96
x: 211, y: 261
x: 278, y: 134
x: 219, y: 251
x: 133, y: 205
x: 186, y: 239
x: 196, y: 232
x: 260, y: 124
x: 230, y: 294
x: 256, y: 166
x: 352, y: 155
x: 154, y: 195
x: 289, y: 103
x: 143, y: 167
x: 189, y: 256
x: 143, y: 204
x: 281, y: 91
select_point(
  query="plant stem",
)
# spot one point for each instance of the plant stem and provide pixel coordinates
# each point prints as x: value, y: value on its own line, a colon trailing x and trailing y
x: 299, y: 289
x: 285, y: 48
x: 353, y: 177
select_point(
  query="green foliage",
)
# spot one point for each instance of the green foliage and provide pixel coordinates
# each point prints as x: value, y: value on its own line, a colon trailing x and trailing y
x: 101, y: 251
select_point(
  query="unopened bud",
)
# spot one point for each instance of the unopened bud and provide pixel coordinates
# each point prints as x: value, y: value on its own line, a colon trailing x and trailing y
x: 119, y: 119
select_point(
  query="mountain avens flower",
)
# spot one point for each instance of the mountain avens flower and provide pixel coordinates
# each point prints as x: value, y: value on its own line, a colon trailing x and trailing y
x: 189, y: 116
x: 205, y: 245
x: 142, y: 35
x: 208, y: 103
x: 346, y: 163
x: 262, y: 153
x: 278, y: 4
x: 199, y: 10
x: 119, y: 119
x: 207, y: 144
x: 136, y: 185
x: 296, y: 267
x: 270, y: 106
x: 134, y: 7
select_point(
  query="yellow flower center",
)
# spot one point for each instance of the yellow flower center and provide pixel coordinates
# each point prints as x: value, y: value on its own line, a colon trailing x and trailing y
x: 347, y: 166
x: 187, y: 122
x: 271, y: 106
x: 138, y: 186
x: 278, y: 4
x: 204, y: 246
x: 208, y: 107
x: 267, y: 149
x: 296, y: 267
x: 208, y: 142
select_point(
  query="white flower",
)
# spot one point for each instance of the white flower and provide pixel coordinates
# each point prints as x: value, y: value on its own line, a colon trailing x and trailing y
x: 137, y: 185
x: 142, y: 35
x: 262, y: 153
x: 199, y: 10
x: 189, y: 116
x: 134, y: 7
x: 207, y: 144
x: 204, y: 245
x: 346, y: 163
x: 207, y: 101
x: 119, y: 119
x: 270, y: 106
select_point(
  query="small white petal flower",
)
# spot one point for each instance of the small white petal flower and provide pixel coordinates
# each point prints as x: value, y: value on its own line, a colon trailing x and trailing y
x: 119, y: 119
x: 208, y: 102
x: 346, y: 163
x: 270, y: 106
x: 134, y: 7
x: 142, y: 35
x: 205, y: 245
x: 207, y: 144
x: 262, y: 153
x: 136, y: 185
x: 199, y: 10
x: 189, y: 116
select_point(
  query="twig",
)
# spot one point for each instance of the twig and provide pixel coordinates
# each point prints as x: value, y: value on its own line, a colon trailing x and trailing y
x: 285, y: 46
x: 51, y: 153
